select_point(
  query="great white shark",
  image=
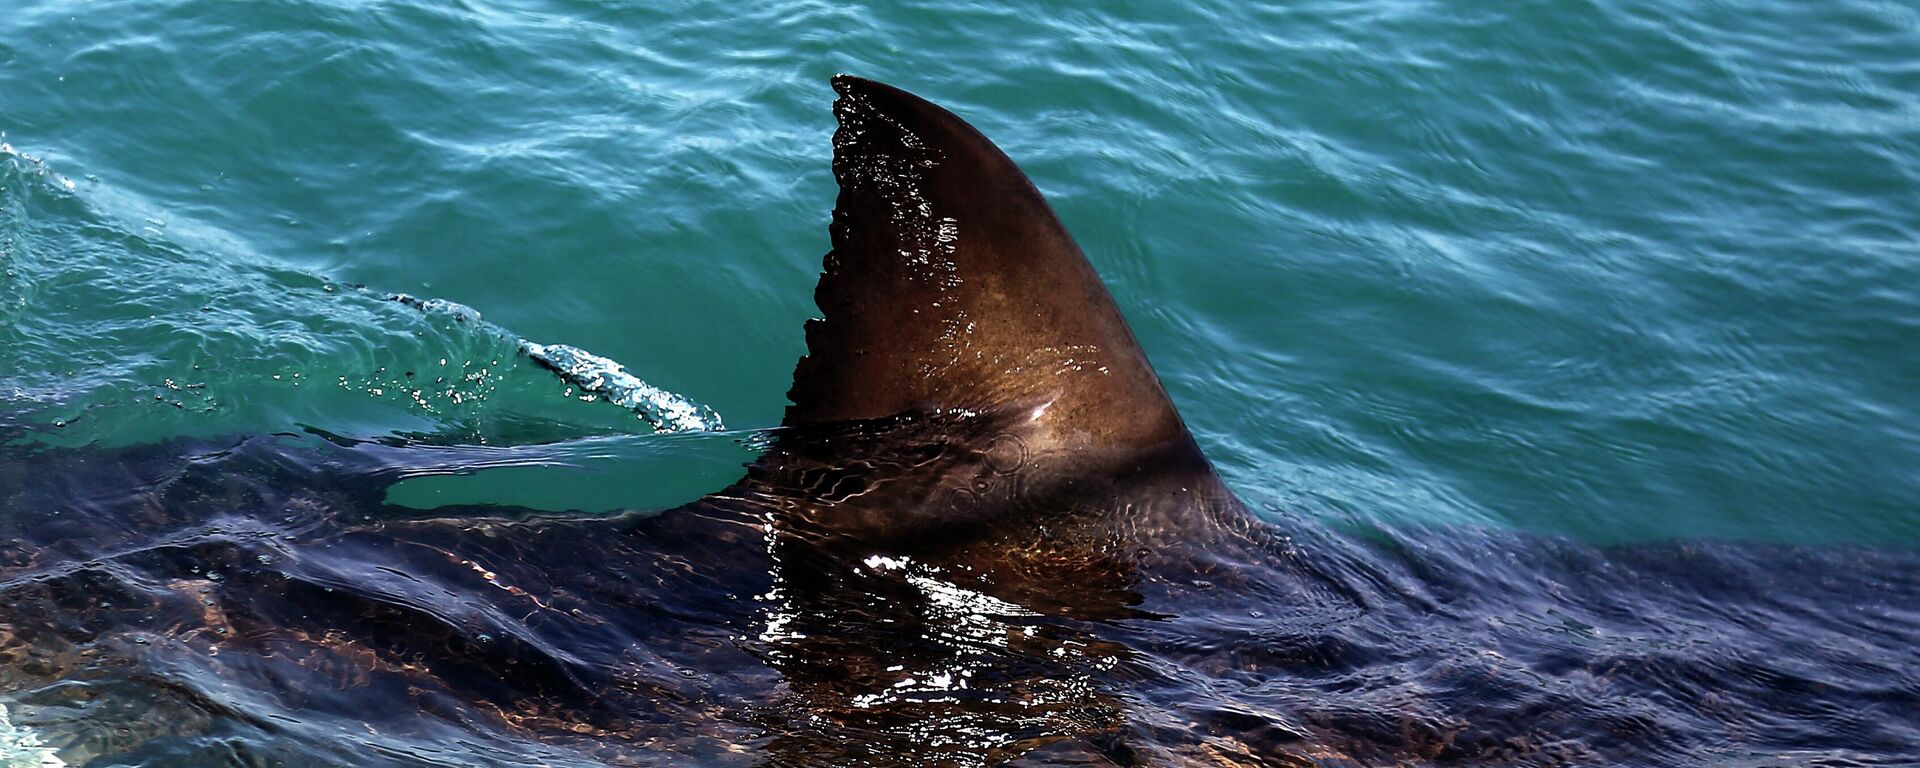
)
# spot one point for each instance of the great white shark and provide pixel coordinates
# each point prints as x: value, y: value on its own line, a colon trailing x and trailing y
x: 976, y: 450
x: 981, y: 535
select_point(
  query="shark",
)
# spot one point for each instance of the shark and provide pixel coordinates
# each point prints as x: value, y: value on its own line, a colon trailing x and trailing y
x: 981, y: 535
x: 975, y: 439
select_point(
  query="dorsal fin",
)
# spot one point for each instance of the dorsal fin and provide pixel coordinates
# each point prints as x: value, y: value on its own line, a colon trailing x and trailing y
x: 951, y: 285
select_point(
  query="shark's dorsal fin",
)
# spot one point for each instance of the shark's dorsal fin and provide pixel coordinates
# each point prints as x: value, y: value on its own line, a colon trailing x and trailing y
x: 951, y: 286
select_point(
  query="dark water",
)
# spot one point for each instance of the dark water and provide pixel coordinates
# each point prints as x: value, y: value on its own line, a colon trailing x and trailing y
x: 1567, y: 350
x: 252, y: 603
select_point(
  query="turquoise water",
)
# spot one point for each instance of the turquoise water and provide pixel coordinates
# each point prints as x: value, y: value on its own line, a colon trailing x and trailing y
x: 1605, y: 273
x: 1622, y: 271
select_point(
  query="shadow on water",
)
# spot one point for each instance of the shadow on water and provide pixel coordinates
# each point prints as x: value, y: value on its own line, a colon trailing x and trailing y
x: 255, y: 602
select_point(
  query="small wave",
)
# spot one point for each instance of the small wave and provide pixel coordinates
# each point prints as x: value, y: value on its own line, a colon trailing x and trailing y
x: 251, y: 302
x: 38, y: 166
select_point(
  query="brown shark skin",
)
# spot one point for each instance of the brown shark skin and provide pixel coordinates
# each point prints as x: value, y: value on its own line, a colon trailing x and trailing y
x: 951, y: 285
x: 954, y: 294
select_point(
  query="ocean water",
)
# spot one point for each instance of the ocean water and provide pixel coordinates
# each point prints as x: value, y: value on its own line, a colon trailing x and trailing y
x: 1568, y: 288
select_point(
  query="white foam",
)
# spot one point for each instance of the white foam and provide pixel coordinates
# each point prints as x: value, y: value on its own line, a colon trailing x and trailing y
x: 666, y: 411
x: 22, y: 748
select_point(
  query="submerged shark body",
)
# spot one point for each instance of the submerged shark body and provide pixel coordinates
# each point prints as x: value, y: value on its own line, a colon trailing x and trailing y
x: 981, y: 536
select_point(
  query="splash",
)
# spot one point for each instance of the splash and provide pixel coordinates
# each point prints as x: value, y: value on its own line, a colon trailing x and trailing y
x: 456, y: 310
x: 665, y: 411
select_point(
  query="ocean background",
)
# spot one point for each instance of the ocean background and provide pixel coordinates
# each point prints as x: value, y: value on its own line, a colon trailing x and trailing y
x: 1620, y: 271
x: 1609, y: 272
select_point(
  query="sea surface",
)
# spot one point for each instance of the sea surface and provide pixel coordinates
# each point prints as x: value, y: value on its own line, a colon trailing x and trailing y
x: 1571, y: 351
